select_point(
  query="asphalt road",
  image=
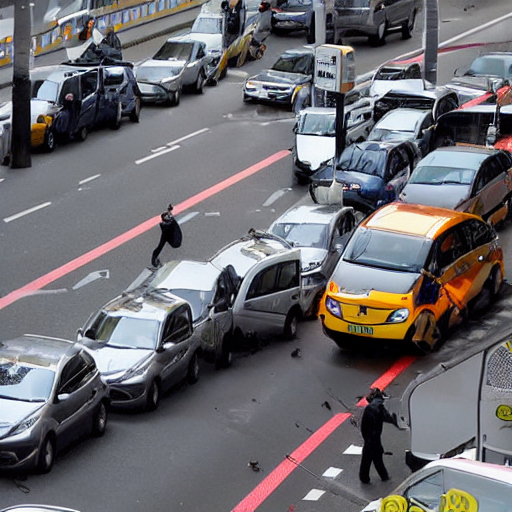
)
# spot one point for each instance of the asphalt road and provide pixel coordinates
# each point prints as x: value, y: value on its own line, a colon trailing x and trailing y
x: 193, y: 453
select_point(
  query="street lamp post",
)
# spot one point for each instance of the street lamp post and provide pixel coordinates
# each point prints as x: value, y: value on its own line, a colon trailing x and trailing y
x: 431, y: 40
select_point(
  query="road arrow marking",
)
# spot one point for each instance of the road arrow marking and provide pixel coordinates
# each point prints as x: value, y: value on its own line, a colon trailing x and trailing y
x: 93, y: 276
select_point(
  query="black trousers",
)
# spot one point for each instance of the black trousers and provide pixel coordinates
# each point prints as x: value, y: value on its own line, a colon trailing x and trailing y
x: 158, y: 250
x: 372, y: 453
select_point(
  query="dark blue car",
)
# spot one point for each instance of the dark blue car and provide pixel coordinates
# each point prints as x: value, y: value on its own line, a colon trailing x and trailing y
x: 367, y: 175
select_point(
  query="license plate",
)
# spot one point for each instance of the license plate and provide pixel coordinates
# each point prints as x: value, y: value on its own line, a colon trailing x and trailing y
x: 264, y: 95
x: 360, y: 329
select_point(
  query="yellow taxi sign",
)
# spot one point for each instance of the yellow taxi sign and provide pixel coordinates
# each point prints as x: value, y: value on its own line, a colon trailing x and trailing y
x: 335, y: 68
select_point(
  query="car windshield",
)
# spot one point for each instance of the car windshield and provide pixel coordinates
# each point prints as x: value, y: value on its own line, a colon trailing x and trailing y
x: 303, y: 235
x: 28, y: 383
x: 290, y: 63
x: 127, y: 332
x: 361, y: 159
x: 383, y: 134
x: 437, y: 175
x: 175, y: 51
x: 198, y: 299
x: 294, y: 5
x: 156, y: 73
x: 206, y: 25
x: 45, y: 90
x: 317, y: 124
x: 387, y: 250
x: 494, y: 66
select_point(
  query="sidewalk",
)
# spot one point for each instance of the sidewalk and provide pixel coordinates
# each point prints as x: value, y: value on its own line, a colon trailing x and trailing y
x: 129, y: 37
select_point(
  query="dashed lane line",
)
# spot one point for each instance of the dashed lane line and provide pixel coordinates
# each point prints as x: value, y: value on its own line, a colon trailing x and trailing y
x: 27, y: 212
x: 90, y: 178
x: 155, y: 155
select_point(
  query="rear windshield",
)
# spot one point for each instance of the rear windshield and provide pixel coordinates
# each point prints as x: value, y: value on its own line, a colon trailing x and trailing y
x: 317, y: 124
x: 175, y: 50
x: 359, y: 159
x: 294, y: 64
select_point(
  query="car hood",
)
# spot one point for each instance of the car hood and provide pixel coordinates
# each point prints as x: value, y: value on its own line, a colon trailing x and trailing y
x: 112, y: 360
x: 310, y: 256
x: 358, y: 279
x: 315, y: 149
x: 367, y: 181
x: 444, y: 196
x: 37, y: 108
x: 280, y: 77
x: 14, y: 411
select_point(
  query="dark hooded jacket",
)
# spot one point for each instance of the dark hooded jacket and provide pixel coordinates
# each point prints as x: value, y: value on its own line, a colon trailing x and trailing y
x: 374, y: 415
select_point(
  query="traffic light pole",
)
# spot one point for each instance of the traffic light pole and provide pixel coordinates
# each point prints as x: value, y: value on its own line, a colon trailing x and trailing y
x: 20, y: 141
x: 340, y: 126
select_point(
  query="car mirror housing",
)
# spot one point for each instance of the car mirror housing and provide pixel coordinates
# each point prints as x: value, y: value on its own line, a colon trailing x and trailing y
x: 62, y: 397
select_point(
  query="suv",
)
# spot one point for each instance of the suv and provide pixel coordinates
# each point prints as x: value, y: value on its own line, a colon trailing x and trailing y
x: 375, y: 18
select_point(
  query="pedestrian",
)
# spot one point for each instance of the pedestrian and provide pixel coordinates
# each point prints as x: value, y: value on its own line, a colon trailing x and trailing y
x: 86, y: 31
x: 374, y: 415
x: 171, y: 234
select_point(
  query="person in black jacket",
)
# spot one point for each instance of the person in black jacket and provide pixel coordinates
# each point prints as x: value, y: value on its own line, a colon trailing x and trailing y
x: 374, y: 415
x: 171, y: 234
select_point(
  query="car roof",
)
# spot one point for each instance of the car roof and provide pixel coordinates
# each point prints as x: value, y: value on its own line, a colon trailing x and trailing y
x: 431, y: 93
x: 187, y: 275
x: 308, y: 214
x: 415, y: 219
x: 38, y: 350
x: 56, y: 73
x: 402, y: 118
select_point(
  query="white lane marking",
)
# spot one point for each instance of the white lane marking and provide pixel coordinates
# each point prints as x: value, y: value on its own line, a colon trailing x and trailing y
x: 2, y: 179
x: 150, y: 157
x: 332, y: 472
x: 212, y: 214
x: 93, y: 276
x: 190, y: 135
x: 26, y: 212
x: 353, y: 450
x: 187, y: 217
x: 275, y: 196
x: 96, y: 176
x: 313, y: 495
x: 235, y: 72
x: 156, y: 150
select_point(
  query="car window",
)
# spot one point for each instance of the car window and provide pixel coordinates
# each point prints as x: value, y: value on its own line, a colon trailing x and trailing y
x: 114, y: 76
x: 74, y: 374
x: 89, y: 82
x: 69, y: 86
x: 450, y: 247
x: 263, y: 283
x: 288, y: 275
x: 505, y: 160
x: 427, y: 491
x: 200, y: 52
x: 478, y: 233
x: 495, y: 169
x: 181, y: 325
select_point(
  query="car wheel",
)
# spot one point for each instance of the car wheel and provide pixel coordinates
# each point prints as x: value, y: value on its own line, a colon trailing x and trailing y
x: 290, y: 325
x: 301, y: 180
x: 177, y: 97
x: 49, y: 141
x: 509, y: 207
x: 46, y: 457
x: 225, y: 356
x: 494, y: 282
x: 193, y: 369
x: 81, y: 134
x: 425, y: 334
x: 116, y: 123
x: 153, y: 396
x: 380, y: 38
x: 199, y: 83
x: 135, y: 113
x: 408, y: 26
x: 99, y: 420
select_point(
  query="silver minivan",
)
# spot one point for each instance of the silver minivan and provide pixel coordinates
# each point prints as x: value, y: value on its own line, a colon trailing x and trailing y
x: 269, y: 296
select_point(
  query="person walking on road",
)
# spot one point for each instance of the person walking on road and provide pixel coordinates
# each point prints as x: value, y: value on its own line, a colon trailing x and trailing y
x: 374, y: 415
x: 171, y: 234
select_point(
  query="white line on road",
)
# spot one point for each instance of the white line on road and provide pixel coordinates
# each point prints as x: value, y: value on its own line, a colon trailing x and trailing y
x: 190, y: 135
x: 234, y: 72
x: 2, y: 179
x: 89, y: 179
x: 150, y: 157
x: 275, y: 196
x: 187, y: 217
x: 26, y: 212
x: 157, y: 150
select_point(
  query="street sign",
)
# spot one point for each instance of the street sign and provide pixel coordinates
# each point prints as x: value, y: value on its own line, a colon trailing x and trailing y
x: 335, y: 68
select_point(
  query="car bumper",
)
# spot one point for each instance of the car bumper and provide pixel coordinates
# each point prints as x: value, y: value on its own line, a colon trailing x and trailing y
x: 131, y: 396
x: 20, y: 451
x: 291, y: 22
x: 155, y: 94
x: 269, y: 96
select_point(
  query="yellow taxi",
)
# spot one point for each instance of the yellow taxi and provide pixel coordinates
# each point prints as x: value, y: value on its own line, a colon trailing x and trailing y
x: 410, y: 273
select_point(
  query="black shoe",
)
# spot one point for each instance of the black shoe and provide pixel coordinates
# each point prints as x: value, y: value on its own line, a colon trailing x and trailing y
x: 385, y: 479
x: 156, y: 263
x: 365, y: 481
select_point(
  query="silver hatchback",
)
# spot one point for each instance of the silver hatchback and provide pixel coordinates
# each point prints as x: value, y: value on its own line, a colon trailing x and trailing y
x: 50, y: 390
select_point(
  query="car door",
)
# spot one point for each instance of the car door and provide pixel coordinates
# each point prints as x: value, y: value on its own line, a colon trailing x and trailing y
x: 174, y: 347
x: 115, y: 78
x: 88, y: 99
x: 222, y: 311
x: 343, y: 227
x: 398, y: 172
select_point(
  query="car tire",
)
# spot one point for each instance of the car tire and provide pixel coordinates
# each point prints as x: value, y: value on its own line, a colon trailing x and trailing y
x: 46, y: 457
x: 49, y: 141
x: 301, y: 180
x: 494, y: 283
x: 193, y: 369
x: 225, y: 355
x: 408, y: 26
x: 177, y: 97
x: 199, y: 83
x: 81, y: 134
x: 99, y: 420
x: 379, y: 39
x: 291, y: 325
x: 153, y: 397
x: 135, y: 113
x: 116, y: 123
x: 508, y: 202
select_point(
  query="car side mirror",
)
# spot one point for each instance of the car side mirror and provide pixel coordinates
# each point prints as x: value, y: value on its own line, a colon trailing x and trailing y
x: 62, y: 397
x: 79, y: 332
x: 165, y: 346
x: 89, y: 333
x: 295, y: 128
x: 491, y: 136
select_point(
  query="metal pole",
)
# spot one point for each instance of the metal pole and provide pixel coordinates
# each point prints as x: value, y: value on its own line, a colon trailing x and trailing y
x: 20, y: 143
x: 340, y: 126
x: 431, y: 38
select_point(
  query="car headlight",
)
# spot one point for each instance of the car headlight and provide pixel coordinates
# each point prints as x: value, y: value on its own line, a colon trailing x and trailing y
x: 311, y: 266
x: 333, y: 306
x: 351, y: 186
x: 398, y: 316
x: 250, y: 85
x: 24, y: 425
x: 132, y: 373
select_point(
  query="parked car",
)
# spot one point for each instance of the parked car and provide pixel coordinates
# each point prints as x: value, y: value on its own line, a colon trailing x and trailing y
x: 475, y: 180
x: 211, y: 292
x: 143, y: 345
x: 287, y: 82
x: 315, y: 137
x: 438, y: 100
x: 179, y: 64
x: 367, y: 175
x: 471, y: 485
x: 320, y: 232
x: 51, y: 393
x: 396, y: 75
x: 298, y: 15
x: 405, y: 124
x: 408, y: 275
x: 375, y: 19
x: 5, y: 134
x: 268, y: 301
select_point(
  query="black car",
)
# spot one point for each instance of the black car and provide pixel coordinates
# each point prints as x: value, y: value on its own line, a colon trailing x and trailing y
x: 287, y: 82
x: 367, y: 175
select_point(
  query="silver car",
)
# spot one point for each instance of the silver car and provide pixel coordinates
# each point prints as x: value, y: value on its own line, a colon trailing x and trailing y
x: 321, y: 232
x: 143, y: 345
x: 50, y: 390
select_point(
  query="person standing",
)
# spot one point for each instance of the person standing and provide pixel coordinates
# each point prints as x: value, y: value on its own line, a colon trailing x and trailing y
x: 171, y: 234
x: 374, y: 415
